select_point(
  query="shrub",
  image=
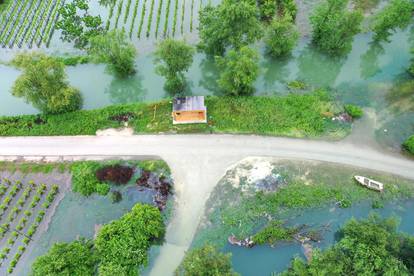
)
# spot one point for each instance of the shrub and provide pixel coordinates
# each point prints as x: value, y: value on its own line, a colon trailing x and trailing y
x: 125, y: 242
x: 103, y: 189
x: 116, y: 196
x: 281, y: 37
x: 116, y: 174
x: 206, y: 261
x: 83, y: 177
x: 409, y: 144
x: 274, y: 232
x: 353, y: 111
x: 334, y: 26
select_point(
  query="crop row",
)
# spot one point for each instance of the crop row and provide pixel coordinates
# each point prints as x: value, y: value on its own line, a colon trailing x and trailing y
x: 28, y: 21
x: 22, y: 204
x: 142, y: 13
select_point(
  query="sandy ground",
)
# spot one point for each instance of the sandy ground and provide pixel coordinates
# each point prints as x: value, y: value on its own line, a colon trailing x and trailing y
x: 197, y: 163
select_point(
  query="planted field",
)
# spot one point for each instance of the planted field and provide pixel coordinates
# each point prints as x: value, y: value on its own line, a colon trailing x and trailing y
x: 154, y: 19
x: 23, y: 207
x: 29, y: 23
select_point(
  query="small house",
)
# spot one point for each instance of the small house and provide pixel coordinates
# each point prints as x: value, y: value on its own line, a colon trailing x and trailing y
x: 189, y: 110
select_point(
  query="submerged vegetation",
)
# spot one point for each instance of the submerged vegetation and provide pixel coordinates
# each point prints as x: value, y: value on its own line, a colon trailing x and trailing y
x: 293, y: 115
x: 234, y: 208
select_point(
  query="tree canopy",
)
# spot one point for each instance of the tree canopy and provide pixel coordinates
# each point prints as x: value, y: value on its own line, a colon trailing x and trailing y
x: 206, y: 261
x: 239, y: 71
x: 122, y: 245
x: 115, y: 50
x: 334, y: 26
x: 281, y: 37
x: 270, y: 9
x: 397, y: 14
x: 43, y: 83
x: 77, y: 25
x: 67, y: 259
x: 172, y: 59
x: 366, y: 247
x: 232, y: 23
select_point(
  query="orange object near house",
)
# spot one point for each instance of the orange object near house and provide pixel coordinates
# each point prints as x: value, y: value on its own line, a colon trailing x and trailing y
x: 189, y: 110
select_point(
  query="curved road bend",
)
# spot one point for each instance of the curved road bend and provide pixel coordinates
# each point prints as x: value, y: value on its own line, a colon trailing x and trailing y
x: 197, y: 163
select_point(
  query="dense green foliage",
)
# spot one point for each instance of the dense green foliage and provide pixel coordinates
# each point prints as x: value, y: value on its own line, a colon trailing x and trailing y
x: 281, y: 37
x: 366, y: 247
x: 73, y: 60
x: 3, y: 4
x: 206, y: 261
x: 334, y: 26
x: 270, y: 9
x: 409, y: 144
x: 77, y: 25
x: 274, y: 232
x: 239, y: 71
x: 232, y: 23
x: 84, y: 180
x: 397, y: 14
x: 122, y: 245
x: 292, y: 115
x: 114, y: 49
x: 67, y: 259
x: 43, y: 83
x: 354, y: 111
x: 172, y: 59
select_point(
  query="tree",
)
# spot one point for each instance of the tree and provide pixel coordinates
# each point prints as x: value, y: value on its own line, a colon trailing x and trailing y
x: 408, y: 144
x: 172, y: 59
x: 366, y: 247
x: 334, y: 26
x: 397, y: 14
x: 233, y: 23
x: 67, y: 259
x: 43, y: 83
x: 77, y: 24
x: 239, y: 71
x: 270, y: 9
x: 206, y: 261
x: 122, y: 245
x: 115, y: 50
x: 281, y: 37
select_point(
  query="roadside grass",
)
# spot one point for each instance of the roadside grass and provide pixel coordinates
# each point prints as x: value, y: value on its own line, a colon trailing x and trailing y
x: 231, y: 211
x: 293, y: 115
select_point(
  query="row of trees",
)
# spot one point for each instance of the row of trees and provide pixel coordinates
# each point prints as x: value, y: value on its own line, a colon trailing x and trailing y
x: 119, y: 248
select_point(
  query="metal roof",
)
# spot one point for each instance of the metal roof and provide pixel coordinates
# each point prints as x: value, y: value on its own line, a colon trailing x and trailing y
x: 189, y: 103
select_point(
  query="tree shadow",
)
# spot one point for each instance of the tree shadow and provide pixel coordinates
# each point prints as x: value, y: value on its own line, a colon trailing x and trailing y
x: 275, y: 70
x: 209, y: 75
x: 126, y: 90
x: 369, y: 64
x: 318, y: 69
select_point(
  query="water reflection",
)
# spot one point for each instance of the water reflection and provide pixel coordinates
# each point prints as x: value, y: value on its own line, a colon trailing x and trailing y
x: 369, y: 64
x: 126, y: 90
x: 275, y: 70
x: 209, y: 76
x: 318, y: 69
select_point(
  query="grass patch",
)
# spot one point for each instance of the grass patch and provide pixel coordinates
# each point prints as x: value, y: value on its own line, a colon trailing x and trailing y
x: 293, y: 115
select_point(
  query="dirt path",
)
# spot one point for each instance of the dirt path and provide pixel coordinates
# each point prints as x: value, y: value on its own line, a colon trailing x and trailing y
x: 197, y: 163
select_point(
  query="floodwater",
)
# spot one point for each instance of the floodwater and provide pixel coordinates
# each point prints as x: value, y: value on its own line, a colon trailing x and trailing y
x: 76, y: 216
x: 263, y: 260
x: 365, y: 77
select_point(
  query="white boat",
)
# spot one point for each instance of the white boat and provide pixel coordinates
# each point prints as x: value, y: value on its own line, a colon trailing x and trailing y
x: 369, y: 183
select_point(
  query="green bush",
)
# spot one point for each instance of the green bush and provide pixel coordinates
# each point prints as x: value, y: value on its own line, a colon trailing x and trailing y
x: 354, y: 111
x: 125, y: 242
x: 409, y: 144
x: 103, y: 188
x: 84, y: 180
x: 274, y: 232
